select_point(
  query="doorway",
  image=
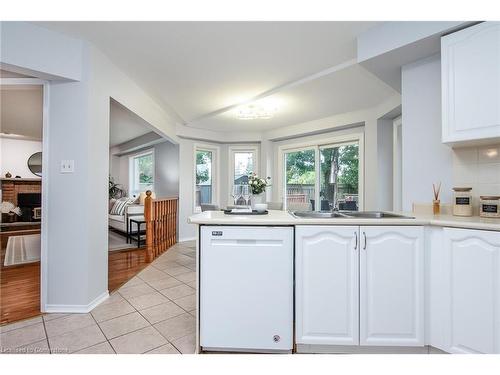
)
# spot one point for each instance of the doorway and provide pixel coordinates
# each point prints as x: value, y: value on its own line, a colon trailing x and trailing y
x: 22, y: 229
x: 139, y: 160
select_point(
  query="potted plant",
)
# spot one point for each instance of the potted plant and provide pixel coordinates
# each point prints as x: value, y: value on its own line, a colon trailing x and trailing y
x: 115, y: 190
x: 258, y: 187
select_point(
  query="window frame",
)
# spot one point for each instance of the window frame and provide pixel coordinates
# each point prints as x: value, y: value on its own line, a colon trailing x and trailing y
x: 215, y: 150
x: 131, y: 170
x: 317, y: 146
x: 234, y: 149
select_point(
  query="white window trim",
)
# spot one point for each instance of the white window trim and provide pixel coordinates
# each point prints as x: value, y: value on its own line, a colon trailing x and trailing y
x: 131, y: 168
x: 316, y: 146
x: 215, y: 150
x: 235, y: 149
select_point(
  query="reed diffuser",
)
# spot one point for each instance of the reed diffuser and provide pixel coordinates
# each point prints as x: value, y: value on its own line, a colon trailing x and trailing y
x: 436, y: 207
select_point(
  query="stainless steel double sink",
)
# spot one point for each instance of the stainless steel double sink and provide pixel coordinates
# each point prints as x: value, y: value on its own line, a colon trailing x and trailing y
x: 348, y: 215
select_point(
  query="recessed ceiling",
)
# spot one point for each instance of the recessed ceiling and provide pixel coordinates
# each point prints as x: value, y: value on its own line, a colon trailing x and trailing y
x: 348, y: 90
x: 125, y: 125
x: 196, y: 68
x: 21, y: 108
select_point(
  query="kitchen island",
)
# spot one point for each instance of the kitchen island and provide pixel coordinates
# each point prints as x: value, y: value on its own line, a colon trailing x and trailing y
x: 358, y: 285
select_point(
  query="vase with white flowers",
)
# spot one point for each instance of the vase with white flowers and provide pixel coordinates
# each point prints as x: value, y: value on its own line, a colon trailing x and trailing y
x: 258, y: 186
x: 9, y: 210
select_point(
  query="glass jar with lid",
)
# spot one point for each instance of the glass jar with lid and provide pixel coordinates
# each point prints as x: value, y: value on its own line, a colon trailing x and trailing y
x: 462, y: 201
x: 489, y: 206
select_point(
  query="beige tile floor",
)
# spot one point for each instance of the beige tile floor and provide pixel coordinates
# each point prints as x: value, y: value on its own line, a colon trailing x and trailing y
x: 154, y: 313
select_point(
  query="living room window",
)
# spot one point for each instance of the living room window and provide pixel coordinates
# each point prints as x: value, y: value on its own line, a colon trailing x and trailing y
x: 141, y: 173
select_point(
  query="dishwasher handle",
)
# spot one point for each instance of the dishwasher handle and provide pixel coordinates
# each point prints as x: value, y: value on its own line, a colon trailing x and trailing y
x: 244, y: 242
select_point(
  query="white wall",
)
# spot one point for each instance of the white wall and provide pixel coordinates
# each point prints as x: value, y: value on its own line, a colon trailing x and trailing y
x: 166, y: 169
x: 385, y: 163
x: 14, y: 156
x: 425, y: 159
x: 27, y: 48
x: 389, y: 36
x: 186, y: 189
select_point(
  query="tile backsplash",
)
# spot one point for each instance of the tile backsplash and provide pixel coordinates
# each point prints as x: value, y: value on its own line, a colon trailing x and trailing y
x: 479, y: 168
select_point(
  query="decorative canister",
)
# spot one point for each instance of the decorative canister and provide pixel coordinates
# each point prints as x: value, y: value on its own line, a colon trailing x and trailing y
x: 489, y: 206
x: 462, y: 201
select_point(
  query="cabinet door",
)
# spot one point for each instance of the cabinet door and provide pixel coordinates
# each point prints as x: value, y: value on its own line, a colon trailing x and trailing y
x: 472, y: 285
x: 326, y: 290
x: 470, y: 61
x: 392, y: 286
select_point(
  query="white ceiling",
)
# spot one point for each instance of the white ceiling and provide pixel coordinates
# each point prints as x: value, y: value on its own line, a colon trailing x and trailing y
x: 352, y: 89
x: 21, y: 110
x: 197, y: 68
x: 125, y: 125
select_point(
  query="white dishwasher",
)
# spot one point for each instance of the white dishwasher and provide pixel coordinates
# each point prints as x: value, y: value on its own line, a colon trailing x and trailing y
x: 246, y: 288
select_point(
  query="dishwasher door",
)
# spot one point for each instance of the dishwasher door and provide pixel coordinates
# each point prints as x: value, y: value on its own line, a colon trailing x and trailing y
x: 246, y: 288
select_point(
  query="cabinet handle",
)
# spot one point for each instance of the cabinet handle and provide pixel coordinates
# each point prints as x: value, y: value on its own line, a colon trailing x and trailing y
x: 356, y: 238
x: 364, y: 236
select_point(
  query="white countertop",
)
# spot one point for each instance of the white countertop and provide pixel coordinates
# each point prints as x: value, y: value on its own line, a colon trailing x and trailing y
x: 285, y: 218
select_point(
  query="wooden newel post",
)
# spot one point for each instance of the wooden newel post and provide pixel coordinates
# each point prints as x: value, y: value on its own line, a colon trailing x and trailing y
x: 148, y: 213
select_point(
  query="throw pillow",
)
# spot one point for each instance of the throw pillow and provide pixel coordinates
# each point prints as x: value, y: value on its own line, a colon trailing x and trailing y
x: 120, y: 206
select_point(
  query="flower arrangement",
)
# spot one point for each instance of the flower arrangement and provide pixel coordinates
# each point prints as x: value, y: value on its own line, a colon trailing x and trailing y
x: 258, y: 184
x: 9, y: 208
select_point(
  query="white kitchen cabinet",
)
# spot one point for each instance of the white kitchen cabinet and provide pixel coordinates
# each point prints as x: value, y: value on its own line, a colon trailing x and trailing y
x: 359, y: 285
x: 326, y: 272
x: 392, y: 286
x: 471, y: 291
x: 470, y: 77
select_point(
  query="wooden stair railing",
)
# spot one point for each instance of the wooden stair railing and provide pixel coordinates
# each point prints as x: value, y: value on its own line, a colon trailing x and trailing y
x: 161, y: 225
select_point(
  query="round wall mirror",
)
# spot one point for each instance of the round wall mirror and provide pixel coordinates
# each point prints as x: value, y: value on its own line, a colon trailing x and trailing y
x: 35, y: 164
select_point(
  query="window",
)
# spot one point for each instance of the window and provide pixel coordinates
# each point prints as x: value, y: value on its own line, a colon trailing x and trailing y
x: 330, y: 174
x: 300, y: 178
x: 141, y: 173
x: 205, y: 176
x: 243, y: 166
x: 339, y: 177
x: 243, y: 160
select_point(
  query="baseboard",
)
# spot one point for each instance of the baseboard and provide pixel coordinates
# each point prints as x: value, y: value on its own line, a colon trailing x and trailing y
x: 354, y: 349
x: 186, y: 239
x: 76, y: 309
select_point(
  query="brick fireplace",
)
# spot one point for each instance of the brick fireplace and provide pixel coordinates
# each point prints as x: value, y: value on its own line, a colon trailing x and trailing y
x: 11, y: 187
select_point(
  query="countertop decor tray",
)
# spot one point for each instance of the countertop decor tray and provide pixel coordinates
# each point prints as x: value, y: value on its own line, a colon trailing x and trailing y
x: 254, y: 212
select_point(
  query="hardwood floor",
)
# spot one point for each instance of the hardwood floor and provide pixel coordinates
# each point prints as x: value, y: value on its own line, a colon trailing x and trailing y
x: 123, y: 265
x: 20, y: 285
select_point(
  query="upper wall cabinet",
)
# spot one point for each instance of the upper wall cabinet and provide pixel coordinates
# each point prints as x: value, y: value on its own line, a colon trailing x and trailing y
x: 470, y: 74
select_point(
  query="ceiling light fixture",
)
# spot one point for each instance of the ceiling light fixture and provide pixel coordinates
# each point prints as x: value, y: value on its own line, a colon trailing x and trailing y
x: 255, y: 112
